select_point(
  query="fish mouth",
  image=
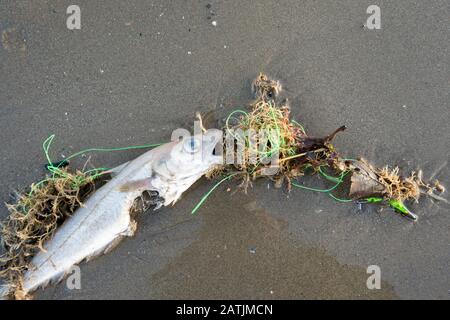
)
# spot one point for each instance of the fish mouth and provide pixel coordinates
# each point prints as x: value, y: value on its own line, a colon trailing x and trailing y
x: 213, y: 144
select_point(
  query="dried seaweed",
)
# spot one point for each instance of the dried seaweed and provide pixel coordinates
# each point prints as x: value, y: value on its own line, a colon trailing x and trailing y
x: 297, y: 152
x: 286, y: 138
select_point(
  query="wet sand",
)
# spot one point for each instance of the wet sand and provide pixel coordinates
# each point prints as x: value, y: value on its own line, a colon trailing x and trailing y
x: 230, y: 260
x: 135, y: 72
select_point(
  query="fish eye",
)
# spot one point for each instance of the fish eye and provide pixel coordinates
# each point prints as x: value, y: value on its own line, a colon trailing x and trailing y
x: 191, y: 145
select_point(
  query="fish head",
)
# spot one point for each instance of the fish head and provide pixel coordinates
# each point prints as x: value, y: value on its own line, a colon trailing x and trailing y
x: 195, y: 155
x: 186, y: 162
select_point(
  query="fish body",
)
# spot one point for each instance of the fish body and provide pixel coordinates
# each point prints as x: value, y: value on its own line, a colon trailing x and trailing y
x: 104, y: 219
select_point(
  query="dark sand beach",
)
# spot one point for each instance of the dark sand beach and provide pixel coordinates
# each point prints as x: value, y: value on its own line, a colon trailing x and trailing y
x: 139, y: 69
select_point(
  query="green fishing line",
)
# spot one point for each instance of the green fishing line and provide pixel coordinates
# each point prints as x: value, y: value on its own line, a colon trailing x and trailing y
x: 276, y: 146
x: 338, y: 181
x: 203, y: 199
x: 339, y: 199
x: 95, y: 173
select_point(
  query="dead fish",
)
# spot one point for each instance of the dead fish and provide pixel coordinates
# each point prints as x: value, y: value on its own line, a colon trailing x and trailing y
x: 104, y: 219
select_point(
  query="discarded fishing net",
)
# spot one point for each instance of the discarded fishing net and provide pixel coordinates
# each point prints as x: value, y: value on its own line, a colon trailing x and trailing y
x: 296, y: 153
x: 35, y: 216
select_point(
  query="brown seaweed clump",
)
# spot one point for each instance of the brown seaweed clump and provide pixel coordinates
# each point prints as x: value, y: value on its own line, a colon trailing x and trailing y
x: 272, y: 139
x: 399, y: 188
x: 271, y: 133
x: 369, y: 181
x: 34, y: 218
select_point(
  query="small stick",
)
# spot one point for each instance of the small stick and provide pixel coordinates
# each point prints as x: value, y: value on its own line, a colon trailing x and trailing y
x: 199, y: 117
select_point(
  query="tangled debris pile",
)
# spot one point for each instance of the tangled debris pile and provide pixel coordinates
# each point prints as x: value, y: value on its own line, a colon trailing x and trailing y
x: 296, y: 152
x: 273, y: 139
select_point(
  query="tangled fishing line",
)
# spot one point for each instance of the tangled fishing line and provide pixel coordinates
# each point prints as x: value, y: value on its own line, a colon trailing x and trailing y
x: 299, y: 153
